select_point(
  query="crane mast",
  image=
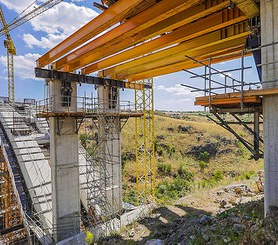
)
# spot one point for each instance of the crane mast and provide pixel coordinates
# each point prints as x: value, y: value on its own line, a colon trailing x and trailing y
x: 11, y: 51
x: 8, y: 43
x: 30, y: 15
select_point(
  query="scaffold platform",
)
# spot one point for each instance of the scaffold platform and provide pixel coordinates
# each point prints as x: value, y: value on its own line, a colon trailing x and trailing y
x: 93, y: 115
x: 250, y: 98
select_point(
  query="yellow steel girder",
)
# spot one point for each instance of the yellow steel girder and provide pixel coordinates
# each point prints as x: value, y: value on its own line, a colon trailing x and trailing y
x: 212, y: 42
x: 248, y: 7
x: 190, y: 32
x: 156, y: 13
x: 181, y: 34
x: 188, y: 64
x: 111, y: 16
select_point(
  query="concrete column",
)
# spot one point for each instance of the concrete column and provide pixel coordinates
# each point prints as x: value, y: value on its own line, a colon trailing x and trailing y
x: 257, y: 132
x: 110, y: 147
x: 269, y: 34
x: 64, y: 163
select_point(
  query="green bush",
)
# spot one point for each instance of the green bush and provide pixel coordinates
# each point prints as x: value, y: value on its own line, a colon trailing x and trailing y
x: 83, y: 139
x: 243, y: 150
x: 89, y: 237
x: 170, y: 150
x: 248, y: 175
x: 202, y: 165
x: 164, y: 168
x: 131, y: 197
x: 184, y: 174
x: 218, y: 175
x: 204, y: 156
x: 172, y: 189
x: 158, y: 149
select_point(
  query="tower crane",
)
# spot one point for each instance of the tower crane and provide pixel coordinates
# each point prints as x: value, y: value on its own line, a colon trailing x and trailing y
x: 9, y: 44
x: 11, y: 51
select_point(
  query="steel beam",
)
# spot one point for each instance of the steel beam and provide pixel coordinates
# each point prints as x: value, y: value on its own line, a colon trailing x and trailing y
x: 108, y: 18
x: 182, y: 34
x: 176, y: 53
x: 91, y: 51
x: 248, y: 7
x: 59, y: 75
x: 179, y: 66
x: 194, y: 43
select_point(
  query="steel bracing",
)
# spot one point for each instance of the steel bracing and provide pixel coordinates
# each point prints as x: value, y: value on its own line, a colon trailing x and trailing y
x: 144, y: 137
x: 235, y: 94
x: 12, y: 229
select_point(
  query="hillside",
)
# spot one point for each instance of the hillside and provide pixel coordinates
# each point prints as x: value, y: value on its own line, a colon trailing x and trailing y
x: 192, y: 154
x: 208, y: 190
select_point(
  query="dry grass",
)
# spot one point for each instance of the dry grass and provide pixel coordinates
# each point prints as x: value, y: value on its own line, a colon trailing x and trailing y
x: 233, y: 164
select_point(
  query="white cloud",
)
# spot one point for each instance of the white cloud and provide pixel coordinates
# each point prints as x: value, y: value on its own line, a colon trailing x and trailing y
x: 23, y: 65
x: 44, y: 42
x: 17, y: 5
x: 58, y: 22
x: 63, y: 18
x: 176, y: 90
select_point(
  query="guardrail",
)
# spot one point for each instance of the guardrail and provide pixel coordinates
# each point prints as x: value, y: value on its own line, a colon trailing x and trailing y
x: 82, y: 104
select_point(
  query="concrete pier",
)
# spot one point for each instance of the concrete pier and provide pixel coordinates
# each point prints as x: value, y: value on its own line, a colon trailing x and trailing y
x: 110, y: 147
x: 64, y: 161
x: 269, y: 34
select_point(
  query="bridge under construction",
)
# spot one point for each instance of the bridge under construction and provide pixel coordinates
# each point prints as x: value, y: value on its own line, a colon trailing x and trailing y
x: 52, y: 188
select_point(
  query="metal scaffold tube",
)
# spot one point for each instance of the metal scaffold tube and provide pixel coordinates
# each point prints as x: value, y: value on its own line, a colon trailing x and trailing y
x: 144, y: 137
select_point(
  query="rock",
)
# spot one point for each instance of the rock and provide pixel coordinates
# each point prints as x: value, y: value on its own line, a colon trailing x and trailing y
x: 192, y: 237
x: 211, y: 148
x: 227, y: 240
x: 235, y: 220
x: 219, y: 193
x: 238, y: 228
x: 238, y: 190
x: 182, y: 240
x: 247, y: 217
x: 254, y: 228
x: 160, y: 137
x: 206, y: 220
x: 223, y: 203
x: 154, y: 242
x: 205, y: 237
x: 260, y: 173
x: 155, y: 215
x: 131, y: 233
x: 233, y: 201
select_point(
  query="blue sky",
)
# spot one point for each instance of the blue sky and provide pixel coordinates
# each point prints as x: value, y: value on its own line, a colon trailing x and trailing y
x: 46, y: 30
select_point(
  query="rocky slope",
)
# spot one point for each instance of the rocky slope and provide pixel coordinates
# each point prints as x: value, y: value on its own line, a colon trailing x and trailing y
x: 231, y: 214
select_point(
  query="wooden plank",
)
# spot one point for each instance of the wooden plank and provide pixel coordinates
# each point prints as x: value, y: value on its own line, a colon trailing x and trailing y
x: 230, y: 101
x: 259, y: 92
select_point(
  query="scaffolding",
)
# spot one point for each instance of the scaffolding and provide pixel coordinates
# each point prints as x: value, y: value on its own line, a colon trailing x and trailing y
x: 144, y: 137
x: 11, y: 222
x: 229, y: 92
x: 101, y: 119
